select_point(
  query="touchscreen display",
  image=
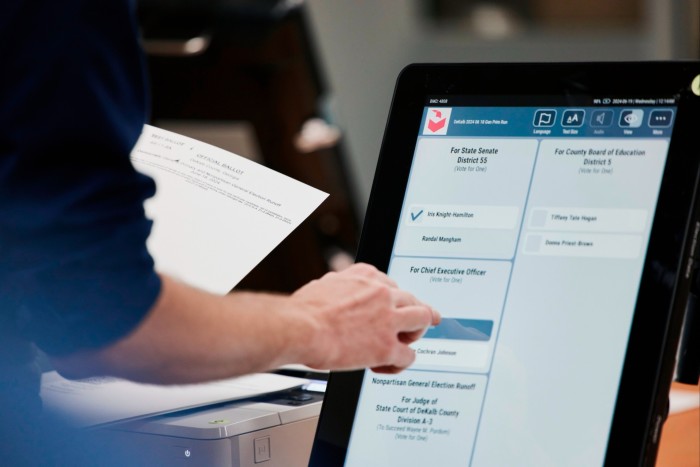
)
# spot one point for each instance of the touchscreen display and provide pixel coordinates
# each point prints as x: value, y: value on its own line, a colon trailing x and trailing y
x: 527, y: 228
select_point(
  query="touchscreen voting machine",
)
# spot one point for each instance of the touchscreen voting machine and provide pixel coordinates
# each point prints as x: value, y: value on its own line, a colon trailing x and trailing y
x: 547, y: 211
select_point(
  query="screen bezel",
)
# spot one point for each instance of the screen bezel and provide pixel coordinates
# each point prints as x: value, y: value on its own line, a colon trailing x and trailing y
x: 650, y: 357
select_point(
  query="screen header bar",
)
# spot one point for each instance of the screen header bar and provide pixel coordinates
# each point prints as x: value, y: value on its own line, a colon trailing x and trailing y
x: 549, y: 121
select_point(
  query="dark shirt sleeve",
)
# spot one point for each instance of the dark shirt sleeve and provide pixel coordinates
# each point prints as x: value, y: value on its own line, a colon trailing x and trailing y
x: 74, y: 269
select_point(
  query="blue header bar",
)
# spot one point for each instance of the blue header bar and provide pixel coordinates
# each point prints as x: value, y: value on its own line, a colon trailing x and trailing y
x: 547, y: 122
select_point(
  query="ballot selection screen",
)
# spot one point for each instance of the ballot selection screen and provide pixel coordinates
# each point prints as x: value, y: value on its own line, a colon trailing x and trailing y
x: 527, y: 228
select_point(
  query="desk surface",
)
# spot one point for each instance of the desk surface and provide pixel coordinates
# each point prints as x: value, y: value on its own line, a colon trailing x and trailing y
x: 680, y: 438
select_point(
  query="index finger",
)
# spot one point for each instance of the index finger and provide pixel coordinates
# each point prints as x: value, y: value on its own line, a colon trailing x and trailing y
x: 404, y: 299
x: 416, y: 318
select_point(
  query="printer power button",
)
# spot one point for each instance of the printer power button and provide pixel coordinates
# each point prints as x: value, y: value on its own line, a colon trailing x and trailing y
x: 262, y: 449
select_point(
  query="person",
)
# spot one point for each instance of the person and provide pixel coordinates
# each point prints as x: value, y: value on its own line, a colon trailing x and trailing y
x: 76, y: 279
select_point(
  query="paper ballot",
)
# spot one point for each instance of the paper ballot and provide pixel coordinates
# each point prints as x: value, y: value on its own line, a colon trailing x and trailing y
x: 215, y: 214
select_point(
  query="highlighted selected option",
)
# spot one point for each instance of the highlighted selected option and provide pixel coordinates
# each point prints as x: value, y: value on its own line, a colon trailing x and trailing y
x: 461, y: 329
x: 463, y: 216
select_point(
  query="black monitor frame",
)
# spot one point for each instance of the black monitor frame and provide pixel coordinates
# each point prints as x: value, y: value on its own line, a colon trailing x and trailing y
x: 669, y: 268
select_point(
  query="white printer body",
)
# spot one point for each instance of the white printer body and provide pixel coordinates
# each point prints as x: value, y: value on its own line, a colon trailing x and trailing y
x: 269, y: 431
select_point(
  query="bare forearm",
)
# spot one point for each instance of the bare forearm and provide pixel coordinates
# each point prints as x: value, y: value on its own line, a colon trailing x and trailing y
x: 190, y: 335
x: 354, y: 319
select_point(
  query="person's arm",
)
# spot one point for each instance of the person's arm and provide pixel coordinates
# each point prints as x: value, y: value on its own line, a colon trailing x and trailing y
x: 348, y: 320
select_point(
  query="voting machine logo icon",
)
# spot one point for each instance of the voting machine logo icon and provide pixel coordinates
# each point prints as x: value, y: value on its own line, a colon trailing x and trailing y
x: 437, y: 121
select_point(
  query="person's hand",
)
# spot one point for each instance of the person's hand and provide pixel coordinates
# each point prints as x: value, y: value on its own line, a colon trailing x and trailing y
x: 362, y: 319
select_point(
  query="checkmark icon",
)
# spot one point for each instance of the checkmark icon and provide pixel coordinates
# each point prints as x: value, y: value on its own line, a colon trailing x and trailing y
x: 416, y: 215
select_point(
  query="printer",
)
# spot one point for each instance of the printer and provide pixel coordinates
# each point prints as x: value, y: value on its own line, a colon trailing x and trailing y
x: 275, y: 430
